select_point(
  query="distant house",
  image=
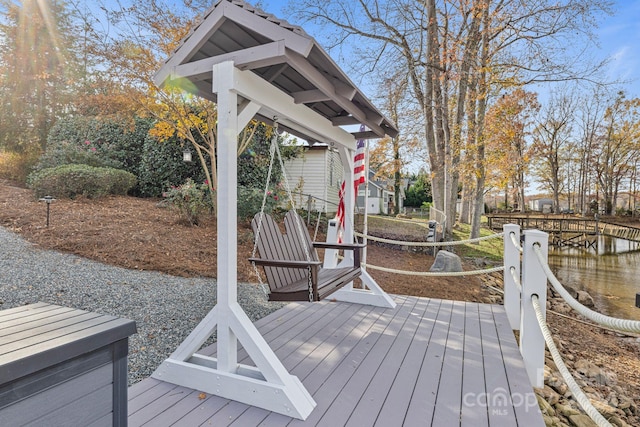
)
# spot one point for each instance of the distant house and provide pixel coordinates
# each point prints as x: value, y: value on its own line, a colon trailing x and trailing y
x: 541, y: 205
x: 318, y: 173
x: 381, y: 196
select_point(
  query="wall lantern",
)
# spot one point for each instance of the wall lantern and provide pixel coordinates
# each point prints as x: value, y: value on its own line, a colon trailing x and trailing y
x: 186, y: 155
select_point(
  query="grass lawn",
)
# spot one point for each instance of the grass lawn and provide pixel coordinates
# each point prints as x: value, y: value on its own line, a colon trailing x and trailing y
x: 417, y: 229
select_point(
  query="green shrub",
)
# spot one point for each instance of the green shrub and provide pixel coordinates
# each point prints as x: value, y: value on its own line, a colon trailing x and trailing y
x: 191, y: 200
x: 69, y: 181
x: 162, y: 167
x: 120, y: 181
x: 67, y: 153
x: 96, y: 142
x: 250, y: 201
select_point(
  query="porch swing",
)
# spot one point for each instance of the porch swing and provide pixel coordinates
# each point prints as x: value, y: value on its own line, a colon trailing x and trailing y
x: 289, y: 260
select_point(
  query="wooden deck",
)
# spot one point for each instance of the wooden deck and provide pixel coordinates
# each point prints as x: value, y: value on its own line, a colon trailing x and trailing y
x: 426, y: 362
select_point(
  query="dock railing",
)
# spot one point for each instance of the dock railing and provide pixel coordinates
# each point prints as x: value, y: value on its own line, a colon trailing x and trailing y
x: 526, y: 272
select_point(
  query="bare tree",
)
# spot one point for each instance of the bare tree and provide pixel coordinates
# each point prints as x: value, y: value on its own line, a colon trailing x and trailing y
x: 457, y: 50
x: 390, y: 156
x: 617, y: 149
x: 552, y: 139
x: 589, y: 114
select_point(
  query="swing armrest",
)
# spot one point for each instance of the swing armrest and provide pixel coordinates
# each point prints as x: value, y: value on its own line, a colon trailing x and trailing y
x: 284, y: 263
x: 346, y: 246
x: 355, y: 247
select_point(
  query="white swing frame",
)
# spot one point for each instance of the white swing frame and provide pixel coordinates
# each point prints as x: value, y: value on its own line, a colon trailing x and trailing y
x: 268, y: 385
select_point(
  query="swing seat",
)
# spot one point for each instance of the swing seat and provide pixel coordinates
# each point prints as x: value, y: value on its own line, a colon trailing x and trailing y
x: 289, y: 270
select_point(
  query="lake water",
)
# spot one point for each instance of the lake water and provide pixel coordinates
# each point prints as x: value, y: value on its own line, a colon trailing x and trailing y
x: 611, y: 276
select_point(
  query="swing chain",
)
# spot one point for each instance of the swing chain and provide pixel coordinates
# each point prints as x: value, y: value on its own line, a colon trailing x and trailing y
x: 310, y: 284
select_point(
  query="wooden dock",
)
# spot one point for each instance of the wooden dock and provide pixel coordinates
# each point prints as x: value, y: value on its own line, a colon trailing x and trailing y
x: 425, y: 362
x: 567, y: 230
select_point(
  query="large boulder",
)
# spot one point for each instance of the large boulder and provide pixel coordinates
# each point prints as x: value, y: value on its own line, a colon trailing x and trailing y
x: 446, y: 262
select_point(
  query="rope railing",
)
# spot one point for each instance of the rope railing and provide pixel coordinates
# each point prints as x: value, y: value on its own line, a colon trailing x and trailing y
x: 516, y: 278
x: 435, y: 273
x: 578, y: 394
x: 516, y: 241
x: 429, y: 244
x: 622, y: 325
x: 534, y: 331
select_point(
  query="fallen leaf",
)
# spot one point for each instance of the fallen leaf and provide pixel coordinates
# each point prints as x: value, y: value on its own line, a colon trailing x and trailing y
x: 202, y: 396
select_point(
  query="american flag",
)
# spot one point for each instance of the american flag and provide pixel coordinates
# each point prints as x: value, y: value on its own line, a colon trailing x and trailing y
x: 359, y: 177
x: 359, y: 163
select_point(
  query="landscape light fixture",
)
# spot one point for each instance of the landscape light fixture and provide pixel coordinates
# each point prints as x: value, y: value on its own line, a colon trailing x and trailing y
x: 47, y: 200
x: 186, y: 155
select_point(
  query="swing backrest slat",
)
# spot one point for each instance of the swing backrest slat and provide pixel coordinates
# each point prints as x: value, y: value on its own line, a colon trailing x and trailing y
x: 272, y: 244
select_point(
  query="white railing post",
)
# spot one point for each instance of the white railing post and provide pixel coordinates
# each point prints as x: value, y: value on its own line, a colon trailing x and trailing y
x: 534, y: 282
x: 331, y: 255
x: 511, y: 289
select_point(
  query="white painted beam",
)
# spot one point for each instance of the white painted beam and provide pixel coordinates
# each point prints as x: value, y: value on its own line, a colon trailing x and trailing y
x: 247, y: 111
x: 246, y: 59
x: 274, y: 102
x: 322, y: 82
x: 309, y: 96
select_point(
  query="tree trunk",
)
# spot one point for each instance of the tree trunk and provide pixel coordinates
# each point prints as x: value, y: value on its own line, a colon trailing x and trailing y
x: 481, y: 92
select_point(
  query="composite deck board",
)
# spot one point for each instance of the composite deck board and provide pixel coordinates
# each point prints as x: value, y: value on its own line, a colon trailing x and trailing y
x: 449, y: 395
x: 524, y: 402
x: 426, y: 362
x: 473, y: 372
x: 402, y: 389
x: 497, y: 383
x: 352, y: 394
x: 420, y: 411
x: 371, y: 400
x: 299, y: 334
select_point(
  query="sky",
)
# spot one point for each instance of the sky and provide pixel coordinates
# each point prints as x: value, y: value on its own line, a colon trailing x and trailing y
x: 618, y: 35
x: 620, y: 40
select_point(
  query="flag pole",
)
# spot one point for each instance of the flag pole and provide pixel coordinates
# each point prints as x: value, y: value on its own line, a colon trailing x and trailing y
x: 365, y: 226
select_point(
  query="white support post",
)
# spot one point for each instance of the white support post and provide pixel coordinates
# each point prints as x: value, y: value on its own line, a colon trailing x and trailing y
x: 511, y: 289
x: 331, y: 255
x: 534, y: 282
x: 373, y: 294
x: 266, y: 385
x: 227, y: 216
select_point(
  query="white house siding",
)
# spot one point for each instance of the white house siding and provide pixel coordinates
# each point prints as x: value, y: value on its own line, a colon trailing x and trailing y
x: 317, y: 172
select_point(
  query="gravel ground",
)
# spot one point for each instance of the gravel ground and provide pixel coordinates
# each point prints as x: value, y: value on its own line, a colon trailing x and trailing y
x: 165, y: 308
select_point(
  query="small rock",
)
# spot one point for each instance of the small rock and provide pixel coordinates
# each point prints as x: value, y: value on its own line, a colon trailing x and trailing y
x: 563, y: 308
x: 548, y: 394
x: 548, y: 421
x: 566, y: 410
x: 572, y: 291
x: 582, y: 365
x: 582, y: 420
x: 617, y: 421
x: 545, y: 407
x: 613, y: 401
x: 447, y: 262
x: 585, y: 299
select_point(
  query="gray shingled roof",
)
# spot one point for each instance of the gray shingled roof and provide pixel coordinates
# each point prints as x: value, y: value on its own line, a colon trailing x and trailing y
x: 281, y: 53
